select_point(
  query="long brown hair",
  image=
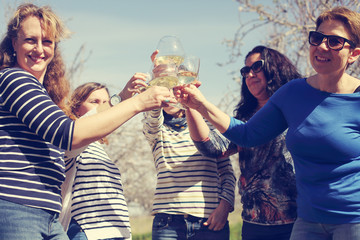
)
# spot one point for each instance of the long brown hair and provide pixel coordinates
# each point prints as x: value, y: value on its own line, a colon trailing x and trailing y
x: 55, y: 82
x: 278, y: 70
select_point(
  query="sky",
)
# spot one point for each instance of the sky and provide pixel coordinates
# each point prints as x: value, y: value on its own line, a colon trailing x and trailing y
x: 119, y: 36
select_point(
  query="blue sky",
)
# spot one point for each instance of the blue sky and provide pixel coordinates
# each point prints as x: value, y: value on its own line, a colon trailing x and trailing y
x: 121, y: 35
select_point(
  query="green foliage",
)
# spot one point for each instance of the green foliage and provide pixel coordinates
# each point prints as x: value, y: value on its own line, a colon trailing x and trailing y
x: 235, y: 231
x: 146, y: 236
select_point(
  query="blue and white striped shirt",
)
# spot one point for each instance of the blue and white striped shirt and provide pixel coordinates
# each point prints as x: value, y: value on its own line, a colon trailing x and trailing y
x: 187, y: 181
x: 94, y: 195
x: 33, y: 130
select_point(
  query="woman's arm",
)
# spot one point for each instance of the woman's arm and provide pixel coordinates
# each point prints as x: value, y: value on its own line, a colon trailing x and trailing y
x: 191, y: 96
x: 199, y: 130
x: 92, y: 128
x: 265, y: 125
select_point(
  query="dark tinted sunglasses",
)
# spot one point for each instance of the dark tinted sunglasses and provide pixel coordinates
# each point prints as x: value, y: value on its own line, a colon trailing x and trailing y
x: 255, y: 67
x: 334, y: 42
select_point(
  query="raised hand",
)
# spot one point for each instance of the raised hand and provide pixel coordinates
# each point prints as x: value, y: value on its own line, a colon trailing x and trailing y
x: 134, y: 85
x: 190, y: 96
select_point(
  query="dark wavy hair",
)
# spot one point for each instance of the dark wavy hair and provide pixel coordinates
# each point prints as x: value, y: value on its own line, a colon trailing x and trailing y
x: 278, y: 70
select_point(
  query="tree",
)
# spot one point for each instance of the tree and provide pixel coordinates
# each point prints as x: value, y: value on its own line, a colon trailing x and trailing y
x: 285, y: 24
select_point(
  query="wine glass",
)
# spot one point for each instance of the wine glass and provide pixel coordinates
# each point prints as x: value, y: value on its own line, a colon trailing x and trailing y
x: 189, y: 69
x: 188, y: 72
x: 163, y: 71
x: 170, y: 49
x: 165, y: 74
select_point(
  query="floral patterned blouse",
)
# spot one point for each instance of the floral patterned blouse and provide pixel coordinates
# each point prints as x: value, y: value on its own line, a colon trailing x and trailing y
x: 267, y: 180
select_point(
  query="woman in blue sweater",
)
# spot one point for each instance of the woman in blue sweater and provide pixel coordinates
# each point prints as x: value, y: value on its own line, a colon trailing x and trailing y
x: 321, y: 115
x: 34, y: 131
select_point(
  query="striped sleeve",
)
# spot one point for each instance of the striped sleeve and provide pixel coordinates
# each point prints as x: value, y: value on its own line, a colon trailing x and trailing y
x: 32, y: 131
x: 26, y: 99
x: 227, y: 181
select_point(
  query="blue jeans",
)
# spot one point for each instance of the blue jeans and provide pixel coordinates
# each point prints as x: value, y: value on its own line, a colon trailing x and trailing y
x: 180, y: 227
x: 19, y: 222
x: 317, y: 231
x: 252, y: 231
x: 76, y: 233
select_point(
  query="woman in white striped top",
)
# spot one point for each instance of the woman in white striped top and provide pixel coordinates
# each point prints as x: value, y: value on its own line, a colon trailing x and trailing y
x: 92, y: 193
x: 34, y: 131
x: 194, y: 194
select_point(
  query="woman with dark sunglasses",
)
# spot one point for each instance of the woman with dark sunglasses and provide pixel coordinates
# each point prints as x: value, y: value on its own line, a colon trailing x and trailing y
x: 268, y: 205
x: 321, y: 113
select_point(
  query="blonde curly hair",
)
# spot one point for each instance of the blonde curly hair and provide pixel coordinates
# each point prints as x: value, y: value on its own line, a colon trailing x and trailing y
x: 55, y: 81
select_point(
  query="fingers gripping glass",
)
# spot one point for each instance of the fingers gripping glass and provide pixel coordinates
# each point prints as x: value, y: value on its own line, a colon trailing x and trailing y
x: 256, y: 67
x: 334, y: 42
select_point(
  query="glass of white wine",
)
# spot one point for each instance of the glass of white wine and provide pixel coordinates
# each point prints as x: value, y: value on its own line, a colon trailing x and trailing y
x: 165, y: 74
x: 165, y: 65
x: 188, y: 70
x: 170, y: 49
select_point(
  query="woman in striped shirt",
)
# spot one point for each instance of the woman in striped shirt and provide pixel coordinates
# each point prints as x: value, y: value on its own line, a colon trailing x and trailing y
x: 194, y: 194
x: 34, y: 131
x: 92, y: 192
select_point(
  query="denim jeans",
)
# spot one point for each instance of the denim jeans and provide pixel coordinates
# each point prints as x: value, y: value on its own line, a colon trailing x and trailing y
x: 317, y: 231
x: 180, y: 227
x: 252, y: 231
x: 19, y: 222
x: 76, y: 233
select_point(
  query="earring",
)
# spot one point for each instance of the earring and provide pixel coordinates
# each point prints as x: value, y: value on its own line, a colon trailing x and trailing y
x: 14, y: 54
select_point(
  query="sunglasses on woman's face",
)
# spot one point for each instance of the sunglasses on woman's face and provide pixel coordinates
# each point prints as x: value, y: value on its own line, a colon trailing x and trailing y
x: 255, y: 67
x: 334, y: 42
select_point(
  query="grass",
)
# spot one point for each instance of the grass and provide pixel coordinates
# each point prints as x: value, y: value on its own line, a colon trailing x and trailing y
x: 141, y: 226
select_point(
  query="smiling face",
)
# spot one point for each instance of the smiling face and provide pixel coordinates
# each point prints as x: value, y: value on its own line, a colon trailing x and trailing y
x: 327, y: 61
x: 95, y: 99
x: 34, y: 49
x: 256, y: 82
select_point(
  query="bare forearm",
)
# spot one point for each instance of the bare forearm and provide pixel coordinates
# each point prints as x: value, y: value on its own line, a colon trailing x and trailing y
x: 199, y: 130
x: 215, y: 116
x: 92, y: 128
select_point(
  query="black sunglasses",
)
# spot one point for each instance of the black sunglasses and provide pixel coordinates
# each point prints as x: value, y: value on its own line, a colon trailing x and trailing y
x: 255, y: 67
x: 334, y: 42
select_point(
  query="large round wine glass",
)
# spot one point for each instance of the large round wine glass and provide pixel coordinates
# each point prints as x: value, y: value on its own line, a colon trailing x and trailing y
x: 170, y: 49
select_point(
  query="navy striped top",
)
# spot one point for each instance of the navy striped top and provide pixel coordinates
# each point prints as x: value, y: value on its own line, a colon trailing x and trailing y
x: 187, y: 181
x: 33, y: 130
x: 95, y: 193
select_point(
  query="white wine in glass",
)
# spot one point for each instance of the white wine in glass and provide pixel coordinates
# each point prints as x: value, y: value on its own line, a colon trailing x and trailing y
x: 165, y: 75
x: 166, y: 81
x: 189, y: 70
x: 170, y: 50
x: 169, y: 58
